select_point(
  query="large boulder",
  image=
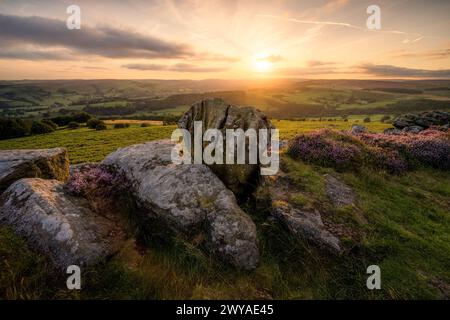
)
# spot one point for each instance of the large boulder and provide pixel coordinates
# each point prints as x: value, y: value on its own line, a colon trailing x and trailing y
x: 45, y: 163
x: 214, y: 113
x: 59, y: 225
x: 188, y: 199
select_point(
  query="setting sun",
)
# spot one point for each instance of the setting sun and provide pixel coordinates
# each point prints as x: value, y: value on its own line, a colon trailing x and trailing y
x: 262, y: 65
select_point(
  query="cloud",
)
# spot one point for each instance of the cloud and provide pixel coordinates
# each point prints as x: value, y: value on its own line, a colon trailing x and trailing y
x: 212, y: 57
x: 431, y: 54
x: 340, y: 24
x: 103, y: 41
x: 317, y: 63
x: 179, y: 67
x: 394, y: 71
x: 34, y: 55
x: 302, y: 72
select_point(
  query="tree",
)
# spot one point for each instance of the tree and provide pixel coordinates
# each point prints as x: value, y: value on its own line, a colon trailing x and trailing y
x: 73, y: 125
x: 50, y: 123
x: 81, y: 117
x: 93, y: 123
x: 39, y: 127
x: 12, y: 128
x: 367, y: 119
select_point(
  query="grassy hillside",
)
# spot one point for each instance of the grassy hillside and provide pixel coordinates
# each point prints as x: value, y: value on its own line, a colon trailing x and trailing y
x: 403, y: 223
x: 86, y: 145
x: 280, y: 99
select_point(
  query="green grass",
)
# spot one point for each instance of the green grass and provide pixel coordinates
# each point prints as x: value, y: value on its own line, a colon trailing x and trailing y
x: 290, y: 128
x: 87, y: 145
x: 404, y: 224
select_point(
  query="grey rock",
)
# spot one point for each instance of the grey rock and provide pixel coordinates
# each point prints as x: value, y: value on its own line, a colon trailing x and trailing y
x: 305, y: 224
x: 425, y: 119
x: 44, y: 163
x: 412, y: 129
x: 217, y: 114
x: 392, y: 131
x: 358, y: 129
x: 79, y: 167
x: 338, y: 192
x: 59, y: 225
x: 186, y: 199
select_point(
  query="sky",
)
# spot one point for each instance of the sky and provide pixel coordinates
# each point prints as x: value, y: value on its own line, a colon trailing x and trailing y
x: 209, y: 39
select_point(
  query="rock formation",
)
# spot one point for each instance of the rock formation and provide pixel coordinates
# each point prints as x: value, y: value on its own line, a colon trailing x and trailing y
x: 217, y: 114
x: 302, y: 223
x: 418, y: 122
x: 47, y: 163
x: 187, y: 199
x: 61, y: 226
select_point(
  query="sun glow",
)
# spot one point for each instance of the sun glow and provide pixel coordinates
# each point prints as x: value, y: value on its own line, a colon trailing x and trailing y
x: 261, y: 63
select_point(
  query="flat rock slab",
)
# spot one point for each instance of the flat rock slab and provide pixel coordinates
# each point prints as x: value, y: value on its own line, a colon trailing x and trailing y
x: 338, y: 192
x: 304, y: 224
x: 188, y: 198
x: 59, y: 225
x: 44, y: 163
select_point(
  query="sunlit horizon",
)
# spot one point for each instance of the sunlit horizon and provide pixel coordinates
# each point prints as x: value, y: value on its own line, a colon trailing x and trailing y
x: 224, y: 40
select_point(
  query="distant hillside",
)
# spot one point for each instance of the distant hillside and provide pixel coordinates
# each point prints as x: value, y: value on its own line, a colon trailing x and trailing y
x: 278, y: 98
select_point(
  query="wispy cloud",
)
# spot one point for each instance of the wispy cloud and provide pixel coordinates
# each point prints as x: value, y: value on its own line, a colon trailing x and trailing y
x: 317, y: 63
x: 339, y: 24
x: 395, y: 71
x: 430, y: 54
x: 21, y: 53
x: 179, y: 67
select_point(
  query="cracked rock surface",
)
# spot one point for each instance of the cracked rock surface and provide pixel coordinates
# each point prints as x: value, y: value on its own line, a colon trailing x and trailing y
x: 44, y: 163
x: 59, y: 225
x: 187, y: 199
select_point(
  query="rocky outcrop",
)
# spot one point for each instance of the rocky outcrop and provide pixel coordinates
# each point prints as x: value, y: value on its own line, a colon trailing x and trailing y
x: 424, y: 120
x: 338, y: 192
x: 59, y: 225
x: 214, y: 113
x: 46, y: 163
x: 188, y: 200
x: 303, y: 223
x: 358, y: 129
x: 392, y: 131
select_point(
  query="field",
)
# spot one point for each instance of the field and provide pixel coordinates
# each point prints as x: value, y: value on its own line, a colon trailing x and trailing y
x: 130, y: 121
x: 285, y: 99
x: 88, y: 145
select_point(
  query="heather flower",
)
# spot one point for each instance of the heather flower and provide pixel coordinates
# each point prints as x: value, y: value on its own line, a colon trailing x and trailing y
x: 96, y: 183
x: 320, y: 149
x: 393, y: 153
